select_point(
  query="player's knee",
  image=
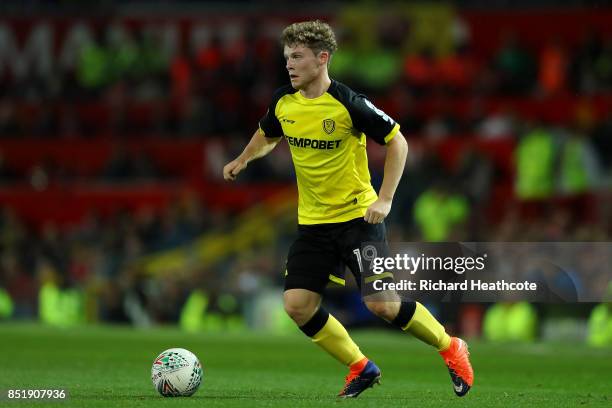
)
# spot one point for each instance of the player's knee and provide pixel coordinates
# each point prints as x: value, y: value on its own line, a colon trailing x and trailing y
x: 299, y: 311
x: 385, y: 310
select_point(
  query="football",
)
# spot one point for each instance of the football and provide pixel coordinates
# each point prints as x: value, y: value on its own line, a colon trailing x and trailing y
x: 176, y: 372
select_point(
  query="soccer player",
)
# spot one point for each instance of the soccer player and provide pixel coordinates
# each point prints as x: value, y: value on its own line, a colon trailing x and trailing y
x: 325, y: 124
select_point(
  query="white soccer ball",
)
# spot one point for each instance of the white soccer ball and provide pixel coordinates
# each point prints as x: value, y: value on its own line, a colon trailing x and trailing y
x: 176, y: 372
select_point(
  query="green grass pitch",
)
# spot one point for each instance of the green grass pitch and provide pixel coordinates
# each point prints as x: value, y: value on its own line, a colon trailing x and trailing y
x: 110, y: 367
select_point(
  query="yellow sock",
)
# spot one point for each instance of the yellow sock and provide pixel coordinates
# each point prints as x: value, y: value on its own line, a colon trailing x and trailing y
x: 334, y: 339
x: 426, y: 328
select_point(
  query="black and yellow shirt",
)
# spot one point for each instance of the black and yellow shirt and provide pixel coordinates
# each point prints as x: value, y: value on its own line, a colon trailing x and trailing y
x: 326, y: 136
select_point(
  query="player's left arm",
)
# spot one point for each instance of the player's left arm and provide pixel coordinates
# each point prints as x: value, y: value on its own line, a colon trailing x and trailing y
x: 395, y: 159
x: 377, y: 125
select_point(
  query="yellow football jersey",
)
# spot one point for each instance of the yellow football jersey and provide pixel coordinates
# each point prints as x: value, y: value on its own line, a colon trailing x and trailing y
x: 326, y: 136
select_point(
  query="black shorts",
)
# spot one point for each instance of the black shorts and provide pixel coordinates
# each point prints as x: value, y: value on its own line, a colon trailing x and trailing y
x: 322, y: 252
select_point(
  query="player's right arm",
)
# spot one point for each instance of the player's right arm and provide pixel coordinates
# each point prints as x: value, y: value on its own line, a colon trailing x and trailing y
x: 265, y: 138
x: 258, y: 146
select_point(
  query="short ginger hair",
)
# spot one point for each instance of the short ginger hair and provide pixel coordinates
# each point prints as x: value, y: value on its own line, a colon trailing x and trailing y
x: 316, y: 35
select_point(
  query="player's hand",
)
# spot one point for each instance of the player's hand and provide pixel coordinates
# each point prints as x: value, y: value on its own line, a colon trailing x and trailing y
x: 231, y: 169
x: 376, y: 213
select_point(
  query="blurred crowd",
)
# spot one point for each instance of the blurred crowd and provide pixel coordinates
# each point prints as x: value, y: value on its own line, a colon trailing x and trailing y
x: 124, y: 84
x: 100, y: 257
x: 98, y: 252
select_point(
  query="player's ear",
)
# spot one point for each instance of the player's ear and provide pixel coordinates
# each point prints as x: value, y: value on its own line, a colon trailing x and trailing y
x: 324, y: 57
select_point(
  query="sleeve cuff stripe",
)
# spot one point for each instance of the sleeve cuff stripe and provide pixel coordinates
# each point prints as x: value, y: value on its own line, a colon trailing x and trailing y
x: 392, y: 133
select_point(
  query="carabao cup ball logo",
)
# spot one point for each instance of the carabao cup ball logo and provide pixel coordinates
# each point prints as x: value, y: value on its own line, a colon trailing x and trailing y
x: 170, y: 361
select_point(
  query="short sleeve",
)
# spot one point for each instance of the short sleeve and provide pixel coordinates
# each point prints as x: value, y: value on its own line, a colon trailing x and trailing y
x: 269, y: 124
x: 372, y: 121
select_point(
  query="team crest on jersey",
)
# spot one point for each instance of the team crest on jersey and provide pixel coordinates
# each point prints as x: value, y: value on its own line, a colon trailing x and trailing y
x: 329, y: 125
